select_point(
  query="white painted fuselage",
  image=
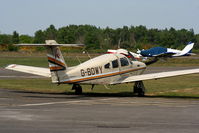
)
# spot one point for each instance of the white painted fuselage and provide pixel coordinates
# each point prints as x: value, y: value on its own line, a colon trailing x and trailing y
x: 104, y: 69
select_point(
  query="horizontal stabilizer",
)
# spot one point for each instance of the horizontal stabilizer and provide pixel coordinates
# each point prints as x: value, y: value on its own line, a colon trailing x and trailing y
x: 31, y: 70
x: 64, y: 45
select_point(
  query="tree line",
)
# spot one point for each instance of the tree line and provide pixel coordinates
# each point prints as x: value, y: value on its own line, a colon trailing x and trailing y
x: 93, y: 37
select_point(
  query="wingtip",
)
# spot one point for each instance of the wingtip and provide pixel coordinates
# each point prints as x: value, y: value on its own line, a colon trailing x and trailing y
x: 10, y: 66
x: 190, y: 43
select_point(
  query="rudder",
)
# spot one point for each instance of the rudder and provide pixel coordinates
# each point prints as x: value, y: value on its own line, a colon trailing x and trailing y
x: 56, y: 62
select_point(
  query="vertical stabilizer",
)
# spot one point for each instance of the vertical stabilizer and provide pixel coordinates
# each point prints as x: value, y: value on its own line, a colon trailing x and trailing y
x: 56, y: 61
x: 187, y: 49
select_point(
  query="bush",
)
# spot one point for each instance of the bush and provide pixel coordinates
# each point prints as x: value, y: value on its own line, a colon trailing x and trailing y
x: 11, y: 47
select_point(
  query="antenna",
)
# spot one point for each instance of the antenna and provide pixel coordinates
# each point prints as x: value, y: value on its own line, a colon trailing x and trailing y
x: 78, y: 59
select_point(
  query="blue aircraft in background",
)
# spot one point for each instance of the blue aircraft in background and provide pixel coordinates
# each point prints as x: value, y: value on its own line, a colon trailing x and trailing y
x: 167, y: 52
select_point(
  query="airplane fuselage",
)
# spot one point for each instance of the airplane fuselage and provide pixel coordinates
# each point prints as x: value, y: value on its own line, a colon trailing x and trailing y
x: 104, y: 69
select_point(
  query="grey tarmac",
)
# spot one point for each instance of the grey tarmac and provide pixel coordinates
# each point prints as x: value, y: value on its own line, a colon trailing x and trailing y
x: 22, y: 112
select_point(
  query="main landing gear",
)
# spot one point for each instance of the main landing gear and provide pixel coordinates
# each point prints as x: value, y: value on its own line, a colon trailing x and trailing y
x: 77, y: 88
x: 139, y: 88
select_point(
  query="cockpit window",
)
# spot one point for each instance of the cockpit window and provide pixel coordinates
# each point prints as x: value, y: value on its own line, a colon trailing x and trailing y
x: 124, y: 61
x: 107, y: 66
x: 115, y: 64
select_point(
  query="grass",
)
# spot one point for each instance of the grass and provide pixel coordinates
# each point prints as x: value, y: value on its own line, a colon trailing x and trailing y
x: 38, y: 59
x: 45, y: 86
x: 178, y: 62
x: 181, y: 86
x: 184, y: 86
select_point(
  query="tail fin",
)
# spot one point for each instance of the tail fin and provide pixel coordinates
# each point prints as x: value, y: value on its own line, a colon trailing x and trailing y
x: 57, y: 65
x: 187, y: 49
x: 56, y: 62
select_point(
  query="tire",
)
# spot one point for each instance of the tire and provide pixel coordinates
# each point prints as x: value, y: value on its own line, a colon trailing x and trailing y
x: 78, y: 90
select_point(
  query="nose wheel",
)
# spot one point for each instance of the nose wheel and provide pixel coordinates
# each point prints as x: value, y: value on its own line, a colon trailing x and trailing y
x: 77, y: 88
x: 139, y: 88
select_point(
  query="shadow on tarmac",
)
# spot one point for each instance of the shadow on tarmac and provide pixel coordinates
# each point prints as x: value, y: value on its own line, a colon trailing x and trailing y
x: 72, y: 95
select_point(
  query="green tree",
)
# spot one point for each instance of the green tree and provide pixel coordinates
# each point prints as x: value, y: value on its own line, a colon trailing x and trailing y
x: 197, y: 41
x: 51, y: 33
x: 39, y: 37
x: 104, y: 38
x: 15, y: 40
x: 5, y: 40
x: 25, y: 39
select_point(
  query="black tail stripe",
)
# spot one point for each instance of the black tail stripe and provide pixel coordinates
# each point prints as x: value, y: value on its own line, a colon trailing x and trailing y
x: 56, y: 63
x: 58, y: 69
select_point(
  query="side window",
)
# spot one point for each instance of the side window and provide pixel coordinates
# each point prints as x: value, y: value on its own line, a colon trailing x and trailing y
x: 115, y: 64
x: 124, y: 62
x: 107, y: 66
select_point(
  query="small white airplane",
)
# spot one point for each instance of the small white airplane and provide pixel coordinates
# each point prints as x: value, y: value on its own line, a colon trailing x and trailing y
x: 110, y: 68
x: 128, y: 54
x: 167, y: 52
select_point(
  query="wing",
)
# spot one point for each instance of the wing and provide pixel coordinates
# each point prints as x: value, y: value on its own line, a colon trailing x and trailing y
x: 157, y: 75
x: 29, y: 69
x: 166, y: 54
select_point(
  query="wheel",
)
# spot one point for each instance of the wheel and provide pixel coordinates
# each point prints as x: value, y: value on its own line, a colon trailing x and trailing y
x: 139, y: 88
x: 77, y: 88
x: 78, y: 91
x: 141, y: 94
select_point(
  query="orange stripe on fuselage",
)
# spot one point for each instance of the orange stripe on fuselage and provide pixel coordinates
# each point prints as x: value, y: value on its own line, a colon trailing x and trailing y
x: 101, y: 76
x: 56, y: 61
